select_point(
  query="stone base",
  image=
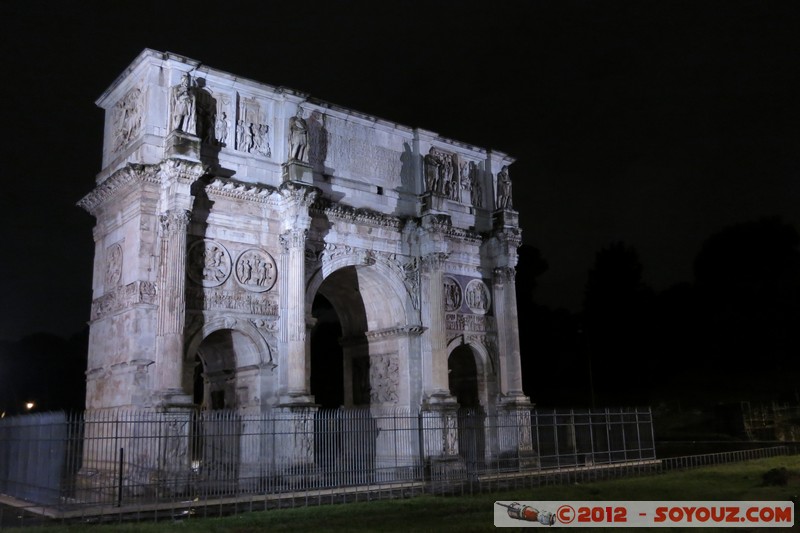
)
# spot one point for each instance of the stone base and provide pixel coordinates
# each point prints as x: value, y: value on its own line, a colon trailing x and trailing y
x: 297, y: 172
x: 182, y: 145
x: 505, y: 218
x: 447, y: 468
x: 514, y: 400
x: 175, y: 400
x: 296, y: 400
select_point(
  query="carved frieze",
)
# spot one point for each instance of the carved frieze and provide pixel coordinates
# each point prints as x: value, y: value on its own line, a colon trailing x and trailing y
x: 472, y: 323
x: 442, y: 175
x: 252, y: 128
x: 208, y: 263
x: 384, y: 372
x: 126, y: 118
x: 471, y: 182
x: 256, y: 270
x: 119, y: 298
x: 212, y: 299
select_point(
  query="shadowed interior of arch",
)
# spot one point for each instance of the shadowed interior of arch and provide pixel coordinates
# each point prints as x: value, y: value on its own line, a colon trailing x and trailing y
x: 216, y: 360
x: 339, y: 355
x: 327, y: 363
x: 463, y: 377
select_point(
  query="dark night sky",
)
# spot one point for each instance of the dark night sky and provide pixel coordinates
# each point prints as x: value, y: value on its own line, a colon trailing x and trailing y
x: 655, y: 123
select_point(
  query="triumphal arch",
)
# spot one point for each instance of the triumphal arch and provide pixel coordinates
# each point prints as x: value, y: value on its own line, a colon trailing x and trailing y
x: 237, y: 221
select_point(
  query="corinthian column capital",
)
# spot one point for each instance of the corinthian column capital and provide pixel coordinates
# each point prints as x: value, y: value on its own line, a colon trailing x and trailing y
x: 175, y: 221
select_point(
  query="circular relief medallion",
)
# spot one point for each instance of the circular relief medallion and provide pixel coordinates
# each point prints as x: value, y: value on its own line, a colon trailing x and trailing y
x: 452, y: 294
x: 209, y: 263
x: 256, y: 270
x: 477, y: 296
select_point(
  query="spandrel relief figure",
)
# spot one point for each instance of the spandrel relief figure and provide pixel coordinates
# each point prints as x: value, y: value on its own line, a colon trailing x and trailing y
x: 298, y: 138
x: 261, y: 141
x: 503, y: 189
x: 244, y: 136
x: 183, y: 107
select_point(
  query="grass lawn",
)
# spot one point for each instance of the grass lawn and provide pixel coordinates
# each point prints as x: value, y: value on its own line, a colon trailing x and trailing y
x: 733, y: 482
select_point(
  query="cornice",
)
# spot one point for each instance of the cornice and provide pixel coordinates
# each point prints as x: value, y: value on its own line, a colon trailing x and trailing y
x: 228, y: 188
x: 413, y: 330
x: 351, y: 215
x: 130, y: 174
x: 462, y: 234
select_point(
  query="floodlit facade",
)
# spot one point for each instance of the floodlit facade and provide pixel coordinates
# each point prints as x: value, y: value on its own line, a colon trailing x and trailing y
x: 235, y: 217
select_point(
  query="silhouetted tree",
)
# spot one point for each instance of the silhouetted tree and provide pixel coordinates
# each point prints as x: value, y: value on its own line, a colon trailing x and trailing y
x: 552, y: 374
x: 748, y: 282
x: 616, y: 321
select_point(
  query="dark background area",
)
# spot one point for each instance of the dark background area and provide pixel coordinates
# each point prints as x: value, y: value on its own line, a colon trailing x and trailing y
x: 656, y: 174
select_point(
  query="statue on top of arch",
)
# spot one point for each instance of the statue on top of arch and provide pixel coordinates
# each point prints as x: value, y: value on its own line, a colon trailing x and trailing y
x: 184, y: 111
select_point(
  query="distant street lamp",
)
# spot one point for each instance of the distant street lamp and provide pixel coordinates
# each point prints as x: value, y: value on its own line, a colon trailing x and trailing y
x: 29, y: 405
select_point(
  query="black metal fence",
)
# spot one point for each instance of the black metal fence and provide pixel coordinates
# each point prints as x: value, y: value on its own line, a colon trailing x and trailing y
x: 136, y: 458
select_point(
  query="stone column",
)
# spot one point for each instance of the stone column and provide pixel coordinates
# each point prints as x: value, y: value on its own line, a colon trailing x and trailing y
x: 514, y: 408
x: 293, y: 313
x: 434, y: 339
x: 171, y: 315
x: 292, y: 278
x: 439, y: 421
x: 505, y: 305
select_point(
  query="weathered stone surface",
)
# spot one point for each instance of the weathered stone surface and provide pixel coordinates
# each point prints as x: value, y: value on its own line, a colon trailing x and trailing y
x: 224, y: 206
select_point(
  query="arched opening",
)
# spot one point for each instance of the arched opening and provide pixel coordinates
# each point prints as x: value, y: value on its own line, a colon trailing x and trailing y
x: 463, y: 377
x: 215, y: 362
x: 463, y: 382
x: 218, y: 390
x: 327, y: 362
x: 339, y: 358
x: 357, y: 359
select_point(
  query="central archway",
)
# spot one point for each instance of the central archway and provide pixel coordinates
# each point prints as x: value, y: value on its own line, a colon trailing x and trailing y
x: 359, y: 315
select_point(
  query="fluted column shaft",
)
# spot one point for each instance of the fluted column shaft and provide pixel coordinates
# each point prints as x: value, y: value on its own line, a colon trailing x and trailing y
x: 434, y: 359
x: 171, y: 315
x: 505, y: 297
x: 293, y: 334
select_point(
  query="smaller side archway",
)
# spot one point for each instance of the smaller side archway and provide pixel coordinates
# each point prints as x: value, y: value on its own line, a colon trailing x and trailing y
x: 471, y: 375
x: 224, y: 363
